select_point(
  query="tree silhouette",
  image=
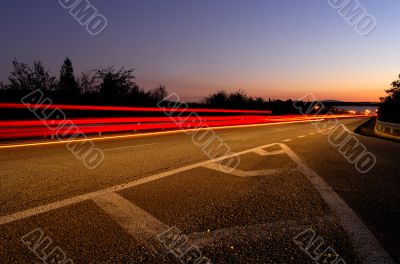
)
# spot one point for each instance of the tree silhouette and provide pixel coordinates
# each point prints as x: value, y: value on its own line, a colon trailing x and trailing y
x: 390, y: 107
x: 20, y: 77
x: 238, y: 99
x: 159, y: 93
x: 41, y: 78
x: 115, y: 85
x: 218, y: 99
x: 87, y: 83
x: 67, y: 83
x: 26, y: 78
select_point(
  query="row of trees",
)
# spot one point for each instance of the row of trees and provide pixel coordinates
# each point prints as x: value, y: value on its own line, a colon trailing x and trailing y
x: 228, y: 100
x: 240, y: 99
x: 118, y: 87
x: 113, y: 87
x: 390, y: 107
x: 102, y: 86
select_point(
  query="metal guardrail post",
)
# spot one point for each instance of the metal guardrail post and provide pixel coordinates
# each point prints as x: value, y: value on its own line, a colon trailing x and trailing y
x: 388, y: 130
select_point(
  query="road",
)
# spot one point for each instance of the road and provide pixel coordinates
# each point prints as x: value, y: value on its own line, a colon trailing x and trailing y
x: 155, y: 197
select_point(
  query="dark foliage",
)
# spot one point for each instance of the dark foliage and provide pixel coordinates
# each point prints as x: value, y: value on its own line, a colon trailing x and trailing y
x: 390, y: 107
x: 103, y: 86
x: 67, y: 83
x: 110, y: 86
x: 240, y: 100
x: 29, y: 78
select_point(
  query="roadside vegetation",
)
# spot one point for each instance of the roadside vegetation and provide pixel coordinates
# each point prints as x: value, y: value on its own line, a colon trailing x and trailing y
x: 389, y: 110
x: 110, y: 86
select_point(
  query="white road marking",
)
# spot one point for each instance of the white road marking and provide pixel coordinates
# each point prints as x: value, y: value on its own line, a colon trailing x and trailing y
x: 88, y: 196
x: 302, y: 136
x: 141, y: 225
x: 263, y: 152
x: 128, y: 147
x: 367, y: 247
x: 238, y: 173
x: 287, y: 140
x: 365, y: 244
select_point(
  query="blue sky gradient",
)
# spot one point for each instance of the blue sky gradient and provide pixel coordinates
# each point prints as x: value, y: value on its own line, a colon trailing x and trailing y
x: 278, y: 49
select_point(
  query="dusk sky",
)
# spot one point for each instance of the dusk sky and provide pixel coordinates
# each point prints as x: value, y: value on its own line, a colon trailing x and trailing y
x: 278, y: 49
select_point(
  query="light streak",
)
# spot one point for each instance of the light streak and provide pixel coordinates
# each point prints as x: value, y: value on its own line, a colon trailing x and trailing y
x: 130, y: 109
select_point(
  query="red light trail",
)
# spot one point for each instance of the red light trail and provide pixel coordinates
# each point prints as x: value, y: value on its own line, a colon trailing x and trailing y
x: 36, y: 128
x: 12, y: 129
x: 130, y: 109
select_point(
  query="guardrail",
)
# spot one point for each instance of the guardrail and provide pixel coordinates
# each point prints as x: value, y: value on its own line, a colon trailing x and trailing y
x: 388, y: 130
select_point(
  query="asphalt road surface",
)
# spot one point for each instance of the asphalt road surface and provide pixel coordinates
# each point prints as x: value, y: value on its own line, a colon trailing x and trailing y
x: 293, y: 198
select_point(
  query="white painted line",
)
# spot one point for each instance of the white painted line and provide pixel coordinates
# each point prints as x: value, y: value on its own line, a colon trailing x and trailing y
x: 363, y: 240
x: 302, y: 136
x: 128, y: 147
x: 365, y: 244
x: 287, y: 140
x: 263, y: 152
x: 141, y: 225
x: 238, y: 173
x: 88, y: 196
